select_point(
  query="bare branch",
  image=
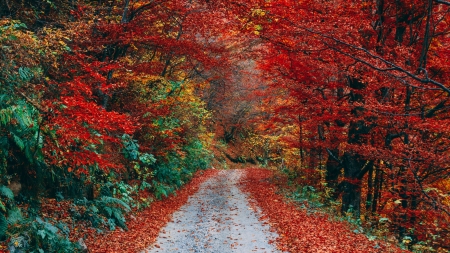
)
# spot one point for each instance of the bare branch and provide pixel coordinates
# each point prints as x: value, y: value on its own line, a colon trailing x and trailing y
x: 393, y: 66
x: 442, y: 2
x: 433, y: 201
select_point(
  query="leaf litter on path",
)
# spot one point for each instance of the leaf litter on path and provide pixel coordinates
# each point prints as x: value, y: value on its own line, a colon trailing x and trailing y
x: 218, y: 218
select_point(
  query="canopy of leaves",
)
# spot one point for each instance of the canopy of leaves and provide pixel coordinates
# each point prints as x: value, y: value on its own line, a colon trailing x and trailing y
x: 101, y: 101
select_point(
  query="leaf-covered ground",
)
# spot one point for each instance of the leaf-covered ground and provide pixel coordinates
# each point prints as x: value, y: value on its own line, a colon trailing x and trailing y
x: 300, y: 232
x: 218, y: 218
x: 144, y: 228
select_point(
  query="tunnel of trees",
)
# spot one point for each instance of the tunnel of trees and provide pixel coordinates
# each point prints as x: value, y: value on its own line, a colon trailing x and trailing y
x: 103, y: 100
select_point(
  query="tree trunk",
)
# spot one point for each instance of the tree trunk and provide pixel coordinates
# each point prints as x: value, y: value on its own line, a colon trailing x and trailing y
x: 369, y: 198
x: 333, y: 169
x: 377, y: 191
x: 351, y: 187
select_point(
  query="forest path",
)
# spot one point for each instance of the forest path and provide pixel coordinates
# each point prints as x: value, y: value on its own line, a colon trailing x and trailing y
x: 218, y: 218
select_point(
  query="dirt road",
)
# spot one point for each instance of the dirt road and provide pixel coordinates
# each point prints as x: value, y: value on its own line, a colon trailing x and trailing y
x: 217, y: 218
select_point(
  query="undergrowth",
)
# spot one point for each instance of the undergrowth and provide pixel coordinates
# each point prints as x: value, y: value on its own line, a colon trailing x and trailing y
x: 321, y: 202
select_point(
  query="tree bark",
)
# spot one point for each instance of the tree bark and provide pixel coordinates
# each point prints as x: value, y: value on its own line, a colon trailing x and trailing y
x: 351, y: 187
x: 333, y: 169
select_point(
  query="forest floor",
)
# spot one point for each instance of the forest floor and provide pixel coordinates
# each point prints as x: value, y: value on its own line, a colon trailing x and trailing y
x: 236, y: 210
x: 218, y: 218
x: 300, y: 229
x: 240, y: 211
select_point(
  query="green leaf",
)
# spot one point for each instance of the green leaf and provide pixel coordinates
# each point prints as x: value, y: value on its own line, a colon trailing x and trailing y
x: 18, y: 141
x: 50, y: 227
x: 3, y: 225
x: 381, y: 220
x: 118, y: 215
x: 145, y: 185
x: 112, y: 224
x: 42, y: 233
x: 12, y: 37
x: 6, y: 192
x: 111, y: 200
x: 21, y: 25
x: 5, y: 116
x: 108, y: 210
x: 93, y: 209
x: 25, y: 74
x: 14, y: 216
x: 147, y: 159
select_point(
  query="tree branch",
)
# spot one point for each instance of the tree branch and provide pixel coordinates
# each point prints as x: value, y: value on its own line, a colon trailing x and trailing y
x: 442, y: 2
x: 142, y: 8
x: 431, y: 199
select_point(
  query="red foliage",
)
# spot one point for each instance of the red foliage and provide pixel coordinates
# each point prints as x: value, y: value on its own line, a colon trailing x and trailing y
x: 298, y: 231
x: 144, y: 229
x: 357, y: 92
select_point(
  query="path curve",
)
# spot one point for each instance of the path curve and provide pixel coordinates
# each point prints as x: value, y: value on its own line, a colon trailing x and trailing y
x: 218, y: 218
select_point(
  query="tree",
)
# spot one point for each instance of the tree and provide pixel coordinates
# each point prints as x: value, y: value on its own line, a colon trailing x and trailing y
x: 364, y: 95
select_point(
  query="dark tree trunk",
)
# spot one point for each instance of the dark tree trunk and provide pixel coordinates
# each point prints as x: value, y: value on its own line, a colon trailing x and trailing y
x: 369, y: 198
x: 351, y: 187
x: 333, y: 170
x: 377, y: 190
x: 312, y: 164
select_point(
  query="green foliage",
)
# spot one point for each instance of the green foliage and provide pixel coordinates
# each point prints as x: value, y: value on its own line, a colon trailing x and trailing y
x: 40, y: 235
x: 3, y: 225
x: 167, y: 177
x: 308, y: 196
x: 124, y: 191
x: 113, y: 209
x: 177, y: 170
x: 36, y: 235
x: 25, y: 74
x: 33, y: 149
x: 141, y: 161
x: 6, y: 192
x: 14, y: 216
x: 197, y: 157
x: 21, y: 122
x: 105, y: 210
x: 147, y: 159
x: 131, y: 147
x: 161, y: 189
x: 6, y: 199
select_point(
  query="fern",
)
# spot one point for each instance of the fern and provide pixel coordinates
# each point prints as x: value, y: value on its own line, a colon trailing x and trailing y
x: 24, y: 114
x: 105, y: 190
x: 114, y: 201
x: 6, y: 192
x: 108, y: 210
x: 5, y: 116
x: 119, y: 219
x: 14, y: 216
x: 111, y: 224
x: 18, y: 142
x: 106, y: 207
x: 3, y: 225
x: 113, y: 208
x: 25, y: 74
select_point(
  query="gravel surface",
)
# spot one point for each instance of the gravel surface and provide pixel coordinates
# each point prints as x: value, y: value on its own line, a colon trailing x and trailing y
x: 218, y: 218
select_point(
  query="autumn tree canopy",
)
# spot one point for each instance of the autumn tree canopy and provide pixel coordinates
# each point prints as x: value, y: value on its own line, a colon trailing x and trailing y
x: 351, y: 97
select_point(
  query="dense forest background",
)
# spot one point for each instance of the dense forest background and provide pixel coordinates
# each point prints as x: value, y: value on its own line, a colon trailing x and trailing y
x: 108, y: 105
